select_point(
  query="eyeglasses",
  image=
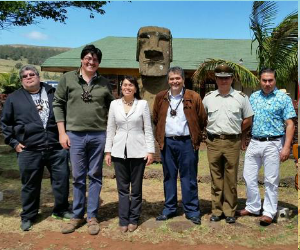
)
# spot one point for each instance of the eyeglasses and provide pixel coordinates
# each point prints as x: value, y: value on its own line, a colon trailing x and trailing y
x: 30, y: 75
x: 88, y: 59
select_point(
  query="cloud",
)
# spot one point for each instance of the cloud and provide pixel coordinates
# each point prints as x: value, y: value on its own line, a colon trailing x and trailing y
x: 35, y: 35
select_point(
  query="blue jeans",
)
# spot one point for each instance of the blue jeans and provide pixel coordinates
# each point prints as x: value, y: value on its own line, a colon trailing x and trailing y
x: 86, y: 154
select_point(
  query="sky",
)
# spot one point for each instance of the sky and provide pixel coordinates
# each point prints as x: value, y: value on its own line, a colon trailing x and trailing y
x: 185, y: 19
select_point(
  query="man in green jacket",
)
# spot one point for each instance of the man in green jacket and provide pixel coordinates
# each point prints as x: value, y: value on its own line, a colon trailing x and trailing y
x: 81, y: 106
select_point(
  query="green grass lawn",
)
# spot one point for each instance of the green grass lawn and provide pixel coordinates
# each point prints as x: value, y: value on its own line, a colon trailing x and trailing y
x: 8, y: 160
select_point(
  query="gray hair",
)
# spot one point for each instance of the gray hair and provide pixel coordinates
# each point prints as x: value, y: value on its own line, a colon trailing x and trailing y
x: 176, y: 69
x: 28, y: 67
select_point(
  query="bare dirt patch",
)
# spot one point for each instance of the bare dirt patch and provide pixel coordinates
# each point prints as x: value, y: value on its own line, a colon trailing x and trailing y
x: 176, y: 233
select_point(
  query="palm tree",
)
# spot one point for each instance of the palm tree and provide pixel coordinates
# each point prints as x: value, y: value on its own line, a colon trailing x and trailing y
x: 277, y: 48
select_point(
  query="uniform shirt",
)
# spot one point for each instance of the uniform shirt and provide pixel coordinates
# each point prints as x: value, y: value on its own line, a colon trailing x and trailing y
x: 176, y: 125
x: 226, y: 113
x: 270, y: 112
x: 43, y: 101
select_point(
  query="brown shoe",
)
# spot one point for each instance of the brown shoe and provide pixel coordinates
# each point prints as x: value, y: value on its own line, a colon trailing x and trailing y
x: 132, y: 227
x: 93, y: 226
x: 245, y: 212
x: 265, y: 220
x: 71, y: 225
x: 123, y: 229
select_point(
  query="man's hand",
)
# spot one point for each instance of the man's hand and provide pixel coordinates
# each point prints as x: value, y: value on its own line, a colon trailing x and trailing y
x: 284, y: 154
x: 64, y: 140
x: 107, y: 159
x: 19, y: 148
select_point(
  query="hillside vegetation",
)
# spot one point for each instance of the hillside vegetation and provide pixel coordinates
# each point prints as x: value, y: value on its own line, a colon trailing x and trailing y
x: 34, y: 54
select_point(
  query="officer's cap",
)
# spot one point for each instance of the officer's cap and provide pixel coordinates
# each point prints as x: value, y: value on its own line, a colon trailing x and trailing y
x: 223, y: 70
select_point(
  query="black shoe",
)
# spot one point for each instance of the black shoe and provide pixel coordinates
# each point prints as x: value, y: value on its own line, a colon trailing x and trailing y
x: 195, y: 220
x: 230, y: 219
x: 215, y: 218
x: 163, y: 217
x: 26, y: 225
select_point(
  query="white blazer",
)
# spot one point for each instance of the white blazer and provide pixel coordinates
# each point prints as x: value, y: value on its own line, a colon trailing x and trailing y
x: 133, y: 131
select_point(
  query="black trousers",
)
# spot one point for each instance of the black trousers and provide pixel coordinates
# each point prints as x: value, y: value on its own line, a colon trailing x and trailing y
x: 31, y: 164
x: 129, y: 173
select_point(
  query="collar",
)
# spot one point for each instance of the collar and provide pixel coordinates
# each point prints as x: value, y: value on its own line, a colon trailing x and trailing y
x: 80, y: 74
x: 230, y: 92
x: 274, y: 92
x: 180, y: 95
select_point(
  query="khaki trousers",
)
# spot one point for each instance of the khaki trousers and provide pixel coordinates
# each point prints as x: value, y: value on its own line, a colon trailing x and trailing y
x: 223, y: 157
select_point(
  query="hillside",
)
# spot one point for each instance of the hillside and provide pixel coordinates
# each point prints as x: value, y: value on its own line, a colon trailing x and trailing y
x: 16, y: 55
x: 33, y: 54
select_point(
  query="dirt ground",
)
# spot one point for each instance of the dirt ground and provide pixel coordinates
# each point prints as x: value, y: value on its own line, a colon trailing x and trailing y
x: 176, y: 233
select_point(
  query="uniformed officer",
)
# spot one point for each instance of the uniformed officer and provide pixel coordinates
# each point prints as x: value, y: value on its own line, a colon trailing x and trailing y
x: 229, y: 113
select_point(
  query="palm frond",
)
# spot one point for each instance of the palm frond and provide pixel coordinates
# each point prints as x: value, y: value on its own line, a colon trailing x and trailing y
x: 261, y: 23
x: 242, y: 74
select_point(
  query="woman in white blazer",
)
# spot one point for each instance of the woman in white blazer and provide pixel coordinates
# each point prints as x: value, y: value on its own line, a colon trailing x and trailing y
x: 130, y: 146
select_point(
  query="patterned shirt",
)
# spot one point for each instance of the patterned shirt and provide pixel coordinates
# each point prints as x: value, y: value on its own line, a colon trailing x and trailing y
x: 42, y: 99
x: 270, y: 113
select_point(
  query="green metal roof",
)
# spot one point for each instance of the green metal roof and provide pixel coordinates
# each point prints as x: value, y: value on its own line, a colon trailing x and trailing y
x: 188, y: 53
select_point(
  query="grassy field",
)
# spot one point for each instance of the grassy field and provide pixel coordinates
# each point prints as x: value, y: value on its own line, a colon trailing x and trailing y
x: 7, y: 65
x: 8, y: 160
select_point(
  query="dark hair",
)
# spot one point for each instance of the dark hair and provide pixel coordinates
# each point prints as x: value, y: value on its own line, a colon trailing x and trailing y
x: 132, y: 80
x: 28, y: 67
x: 93, y: 50
x: 267, y: 70
x: 177, y: 70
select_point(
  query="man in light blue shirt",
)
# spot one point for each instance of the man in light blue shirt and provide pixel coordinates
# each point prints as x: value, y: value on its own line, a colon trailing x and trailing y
x: 272, y: 134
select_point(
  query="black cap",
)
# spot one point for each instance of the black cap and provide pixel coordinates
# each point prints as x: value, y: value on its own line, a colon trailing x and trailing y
x: 223, y: 70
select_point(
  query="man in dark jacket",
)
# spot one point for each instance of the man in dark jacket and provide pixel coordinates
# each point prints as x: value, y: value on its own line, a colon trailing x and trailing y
x: 29, y: 127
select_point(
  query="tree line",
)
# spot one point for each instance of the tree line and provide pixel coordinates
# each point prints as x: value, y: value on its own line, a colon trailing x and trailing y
x: 34, y: 55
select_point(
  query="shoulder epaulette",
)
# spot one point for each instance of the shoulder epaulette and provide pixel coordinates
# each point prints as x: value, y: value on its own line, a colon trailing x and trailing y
x: 242, y: 94
x: 208, y: 93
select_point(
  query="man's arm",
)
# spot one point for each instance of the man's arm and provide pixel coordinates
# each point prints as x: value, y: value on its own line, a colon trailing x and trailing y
x: 289, y: 133
x: 7, y: 124
x: 246, y: 125
x: 64, y: 139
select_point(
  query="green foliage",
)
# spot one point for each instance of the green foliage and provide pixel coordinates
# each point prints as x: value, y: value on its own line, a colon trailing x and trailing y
x: 22, y: 13
x: 277, y: 46
x: 241, y: 73
x: 34, y: 55
x: 9, y: 82
x: 18, y: 65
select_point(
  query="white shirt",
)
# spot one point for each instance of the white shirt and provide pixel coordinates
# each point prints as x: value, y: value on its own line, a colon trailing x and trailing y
x: 176, y: 125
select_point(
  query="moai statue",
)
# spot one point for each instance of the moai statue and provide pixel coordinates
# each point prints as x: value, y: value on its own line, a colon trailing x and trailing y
x: 154, y: 54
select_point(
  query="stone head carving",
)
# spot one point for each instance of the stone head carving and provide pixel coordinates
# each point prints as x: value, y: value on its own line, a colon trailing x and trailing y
x: 154, y: 50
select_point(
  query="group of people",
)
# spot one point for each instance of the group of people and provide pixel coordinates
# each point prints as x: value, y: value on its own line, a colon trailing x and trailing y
x: 82, y: 117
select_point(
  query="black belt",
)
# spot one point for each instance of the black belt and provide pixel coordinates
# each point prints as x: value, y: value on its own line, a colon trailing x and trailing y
x: 222, y: 137
x: 180, y: 138
x: 270, y: 138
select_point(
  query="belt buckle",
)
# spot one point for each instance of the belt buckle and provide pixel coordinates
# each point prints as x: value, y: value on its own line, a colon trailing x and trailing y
x: 222, y: 137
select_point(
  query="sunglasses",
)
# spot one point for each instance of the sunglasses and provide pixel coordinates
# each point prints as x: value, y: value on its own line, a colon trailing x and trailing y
x: 30, y: 75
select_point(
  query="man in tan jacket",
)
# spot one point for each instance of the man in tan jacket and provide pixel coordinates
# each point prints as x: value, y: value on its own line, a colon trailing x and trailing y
x: 179, y: 117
